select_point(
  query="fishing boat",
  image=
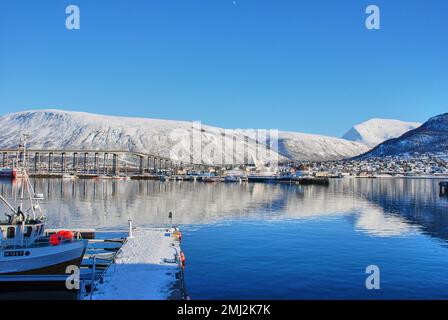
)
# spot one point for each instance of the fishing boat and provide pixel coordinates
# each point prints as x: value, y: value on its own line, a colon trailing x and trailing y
x: 25, y: 249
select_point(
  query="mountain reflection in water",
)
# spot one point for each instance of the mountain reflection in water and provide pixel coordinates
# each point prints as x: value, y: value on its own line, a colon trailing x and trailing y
x: 380, y: 207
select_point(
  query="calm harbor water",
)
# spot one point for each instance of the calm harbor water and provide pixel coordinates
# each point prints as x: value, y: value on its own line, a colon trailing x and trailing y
x: 266, y: 241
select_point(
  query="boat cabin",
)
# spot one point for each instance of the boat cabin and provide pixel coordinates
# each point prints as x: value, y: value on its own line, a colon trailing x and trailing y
x: 17, y: 234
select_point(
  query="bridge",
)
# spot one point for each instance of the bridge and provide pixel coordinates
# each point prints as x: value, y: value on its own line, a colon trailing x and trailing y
x: 107, y: 162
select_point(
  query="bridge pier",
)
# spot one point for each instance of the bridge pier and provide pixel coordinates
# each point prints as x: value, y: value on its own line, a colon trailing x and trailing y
x: 85, y: 161
x: 63, y: 162
x: 75, y: 162
x: 140, y: 165
x: 105, y: 160
x: 115, y: 167
x: 50, y: 162
x: 36, y: 162
x: 5, y: 156
x: 95, y: 162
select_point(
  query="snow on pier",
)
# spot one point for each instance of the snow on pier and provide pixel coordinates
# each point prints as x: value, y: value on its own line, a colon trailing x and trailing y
x: 147, y: 267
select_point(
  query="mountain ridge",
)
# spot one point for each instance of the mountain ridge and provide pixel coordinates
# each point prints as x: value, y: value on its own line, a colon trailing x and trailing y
x: 59, y: 129
x: 431, y: 136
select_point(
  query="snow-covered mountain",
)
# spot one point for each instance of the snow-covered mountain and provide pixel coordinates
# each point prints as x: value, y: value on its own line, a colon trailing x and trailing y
x: 296, y: 145
x: 375, y: 131
x: 432, y: 136
x: 57, y: 129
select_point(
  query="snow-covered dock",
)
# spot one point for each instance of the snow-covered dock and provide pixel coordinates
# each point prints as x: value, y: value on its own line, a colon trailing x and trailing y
x: 149, y: 266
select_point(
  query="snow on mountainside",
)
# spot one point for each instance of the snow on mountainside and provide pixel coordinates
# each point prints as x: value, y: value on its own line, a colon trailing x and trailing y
x: 57, y: 129
x: 295, y: 145
x: 375, y: 131
x: 430, y: 137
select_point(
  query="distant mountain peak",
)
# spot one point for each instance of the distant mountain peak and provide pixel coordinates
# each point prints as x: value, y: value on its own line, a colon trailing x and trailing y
x: 430, y: 137
x: 375, y: 131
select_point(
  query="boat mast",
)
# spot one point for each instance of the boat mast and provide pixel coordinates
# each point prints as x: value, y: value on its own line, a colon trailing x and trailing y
x: 26, y: 183
x: 21, y: 154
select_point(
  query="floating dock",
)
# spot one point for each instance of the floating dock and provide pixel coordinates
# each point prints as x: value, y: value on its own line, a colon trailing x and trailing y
x: 149, y: 266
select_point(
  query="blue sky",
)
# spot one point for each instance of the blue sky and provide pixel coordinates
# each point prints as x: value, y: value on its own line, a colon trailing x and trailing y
x: 308, y: 66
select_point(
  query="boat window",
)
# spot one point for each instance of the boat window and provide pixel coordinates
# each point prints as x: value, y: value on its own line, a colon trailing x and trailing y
x: 11, y: 233
x: 37, y: 230
x: 28, y: 232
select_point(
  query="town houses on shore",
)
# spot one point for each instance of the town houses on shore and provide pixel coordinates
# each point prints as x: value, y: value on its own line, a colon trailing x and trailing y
x: 416, y: 164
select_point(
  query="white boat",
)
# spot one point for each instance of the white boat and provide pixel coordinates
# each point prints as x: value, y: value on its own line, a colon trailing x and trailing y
x: 69, y: 176
x: 25, y: 249
x: 233, y: 179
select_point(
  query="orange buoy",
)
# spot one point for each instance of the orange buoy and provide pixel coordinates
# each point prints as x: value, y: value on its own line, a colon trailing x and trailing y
x: 66, y: 234
x: 54, y: 239
x: 182, y: 259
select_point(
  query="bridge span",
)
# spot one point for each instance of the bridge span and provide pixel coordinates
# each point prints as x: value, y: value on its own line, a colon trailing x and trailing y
x: 107, y: 162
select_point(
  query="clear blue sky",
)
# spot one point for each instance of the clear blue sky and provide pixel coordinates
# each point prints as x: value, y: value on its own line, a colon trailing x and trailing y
x: 308, y: 66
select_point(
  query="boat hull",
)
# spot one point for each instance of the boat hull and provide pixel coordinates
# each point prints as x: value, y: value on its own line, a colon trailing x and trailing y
x: 265, y: 179
x: 49, y: 260
x: 8, y: 173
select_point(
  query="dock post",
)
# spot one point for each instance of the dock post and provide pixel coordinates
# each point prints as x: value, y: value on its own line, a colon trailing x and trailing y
x: 131, y: 235
x: 63, y: 162
x: 92, y: 285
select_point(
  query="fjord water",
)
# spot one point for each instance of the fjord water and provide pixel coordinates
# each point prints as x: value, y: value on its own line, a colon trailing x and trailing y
x: 266, y: 241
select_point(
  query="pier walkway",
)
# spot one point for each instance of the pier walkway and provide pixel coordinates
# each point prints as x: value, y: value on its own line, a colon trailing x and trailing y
x: 149, y: 266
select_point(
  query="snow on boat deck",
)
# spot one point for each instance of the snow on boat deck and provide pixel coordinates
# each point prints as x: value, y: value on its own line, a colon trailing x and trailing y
x: 141, y: 271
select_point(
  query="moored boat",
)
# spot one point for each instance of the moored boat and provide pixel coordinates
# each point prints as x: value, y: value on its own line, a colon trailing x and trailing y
x: 8, y: 173
x: 25, y: 249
